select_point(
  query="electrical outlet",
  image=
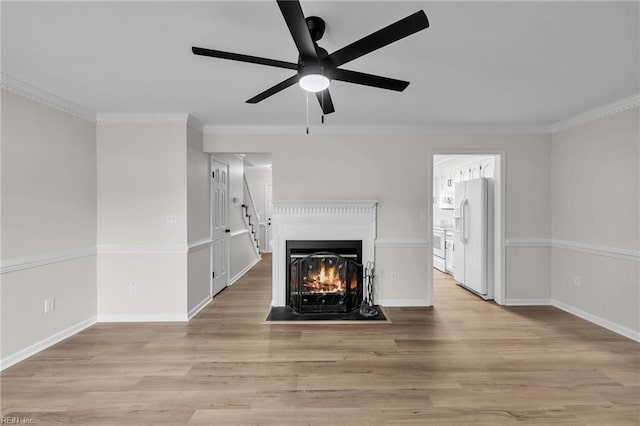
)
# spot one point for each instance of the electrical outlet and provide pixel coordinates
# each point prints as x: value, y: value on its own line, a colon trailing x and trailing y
x: 133, y: 287
x: 577, y: 281
x: 172, y: 219
x: 394, y: 276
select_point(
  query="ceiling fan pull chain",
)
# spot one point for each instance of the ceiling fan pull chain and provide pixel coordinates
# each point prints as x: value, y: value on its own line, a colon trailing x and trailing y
x: 322, y: 94
x: 307, y: 112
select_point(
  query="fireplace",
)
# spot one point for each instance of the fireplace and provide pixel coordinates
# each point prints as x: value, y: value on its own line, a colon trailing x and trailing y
x: 324, y: 276
x: 318, y: 221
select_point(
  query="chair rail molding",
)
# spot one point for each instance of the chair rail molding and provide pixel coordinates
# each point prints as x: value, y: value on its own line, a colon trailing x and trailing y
x: 143, y: 249
x: 199, y: 244
x: 600, y: 250
x: 402, y: 243
x: 27, y: 262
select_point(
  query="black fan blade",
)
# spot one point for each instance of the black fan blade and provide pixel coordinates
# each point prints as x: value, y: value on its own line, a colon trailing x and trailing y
x: 273, y: 90
x: 243, y: 58
x: 293, y: 16
x: 369, y: 80
x: 324, y: 98
x: 394, y: 32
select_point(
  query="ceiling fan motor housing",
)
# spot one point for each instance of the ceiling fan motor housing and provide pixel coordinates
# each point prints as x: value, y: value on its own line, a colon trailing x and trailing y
x: 316, y: 27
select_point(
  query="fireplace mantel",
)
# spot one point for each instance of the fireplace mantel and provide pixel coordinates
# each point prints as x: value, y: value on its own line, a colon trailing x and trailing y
x: 319, y: 220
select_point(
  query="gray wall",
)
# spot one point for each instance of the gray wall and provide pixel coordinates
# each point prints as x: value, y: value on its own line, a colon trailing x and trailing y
x: 48, y: 215
x: 142, y: 179
x: 395, y: 170
x: 595, y: 189
x: 198, y: 222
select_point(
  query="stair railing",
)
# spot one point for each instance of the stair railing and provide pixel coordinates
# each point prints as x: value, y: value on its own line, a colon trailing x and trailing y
x: 250, y: 215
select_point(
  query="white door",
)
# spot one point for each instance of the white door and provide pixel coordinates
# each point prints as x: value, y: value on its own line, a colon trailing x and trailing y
x: 474, y: 217
x: 268, y: 208
x: 219, y: 226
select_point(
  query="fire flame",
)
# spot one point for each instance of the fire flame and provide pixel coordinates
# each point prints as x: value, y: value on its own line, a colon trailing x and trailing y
x: 327, y: 280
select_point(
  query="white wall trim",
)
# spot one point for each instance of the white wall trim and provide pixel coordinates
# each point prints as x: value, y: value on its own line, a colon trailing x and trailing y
x: 143, y: 249
x: 598, y: 113
x: 528, y: 242
x: 609, y: 325
x: 388, y: 303
x: 373, y: 130
x: 200, y: 306
x: 407, y: 243
x: 194, y: 123
x: 614, y: 252
x: 143, y: 318
x: 142, y: 118
x: 199, y: 244
x: 45, y: 343
x: 18, y: 264
x: 506, y: 129
x: 527, y: 302
x: 246, y: 269
x: 239, y: 232
x: 43, y: 97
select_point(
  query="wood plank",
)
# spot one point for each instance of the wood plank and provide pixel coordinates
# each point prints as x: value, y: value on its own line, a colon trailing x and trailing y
x: 464, y: 361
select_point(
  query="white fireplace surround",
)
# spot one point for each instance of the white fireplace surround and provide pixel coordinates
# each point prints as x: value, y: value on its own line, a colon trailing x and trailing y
x: 319, y: 221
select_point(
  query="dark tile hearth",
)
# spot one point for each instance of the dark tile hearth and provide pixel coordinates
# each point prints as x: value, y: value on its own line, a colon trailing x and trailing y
x: 286, y: 313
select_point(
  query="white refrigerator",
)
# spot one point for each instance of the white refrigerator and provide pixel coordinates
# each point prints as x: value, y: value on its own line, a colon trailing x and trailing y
x: 473, y: 236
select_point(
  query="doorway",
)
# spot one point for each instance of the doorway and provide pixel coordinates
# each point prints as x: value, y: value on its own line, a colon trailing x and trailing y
x: 467, y: 221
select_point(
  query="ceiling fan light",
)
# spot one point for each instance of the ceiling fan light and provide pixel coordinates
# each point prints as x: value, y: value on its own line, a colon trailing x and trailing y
x: 314, y: 82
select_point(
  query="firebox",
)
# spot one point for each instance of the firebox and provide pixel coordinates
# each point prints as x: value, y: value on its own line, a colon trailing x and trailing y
x: 324, y: 276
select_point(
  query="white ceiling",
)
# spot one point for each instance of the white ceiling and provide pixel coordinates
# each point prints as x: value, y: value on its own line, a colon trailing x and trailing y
x: 498, y: 63
x: 257, y: 160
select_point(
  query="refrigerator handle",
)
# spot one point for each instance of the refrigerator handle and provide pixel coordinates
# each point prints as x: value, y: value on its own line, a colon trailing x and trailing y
x: 463, y: 219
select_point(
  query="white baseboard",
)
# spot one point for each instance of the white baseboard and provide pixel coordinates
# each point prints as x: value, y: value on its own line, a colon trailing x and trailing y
x: 527, y: 302
x: 403, y: 303
x: 143, y: 318
x: 609, y: 325
x: 239, y: 275
x: 200, y: 306
x: 45, y: 343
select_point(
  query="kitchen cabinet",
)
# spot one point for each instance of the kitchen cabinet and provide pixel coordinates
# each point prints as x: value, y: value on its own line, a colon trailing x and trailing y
x: 488, y: 168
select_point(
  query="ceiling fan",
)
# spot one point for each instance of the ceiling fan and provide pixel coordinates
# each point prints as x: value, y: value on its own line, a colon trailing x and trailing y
x: 316, y: 67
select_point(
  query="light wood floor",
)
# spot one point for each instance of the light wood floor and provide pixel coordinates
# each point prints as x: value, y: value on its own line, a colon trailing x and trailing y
x: 463, y: 362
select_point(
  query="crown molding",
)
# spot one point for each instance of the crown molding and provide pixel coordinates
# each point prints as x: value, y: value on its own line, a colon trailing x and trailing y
x: 578, y: 120
x: 372, y: 130
x: 19, y: 87
x: 194, y: 123
x: 598, y: 113
x: 141, y: 118
x: 149, y: 118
